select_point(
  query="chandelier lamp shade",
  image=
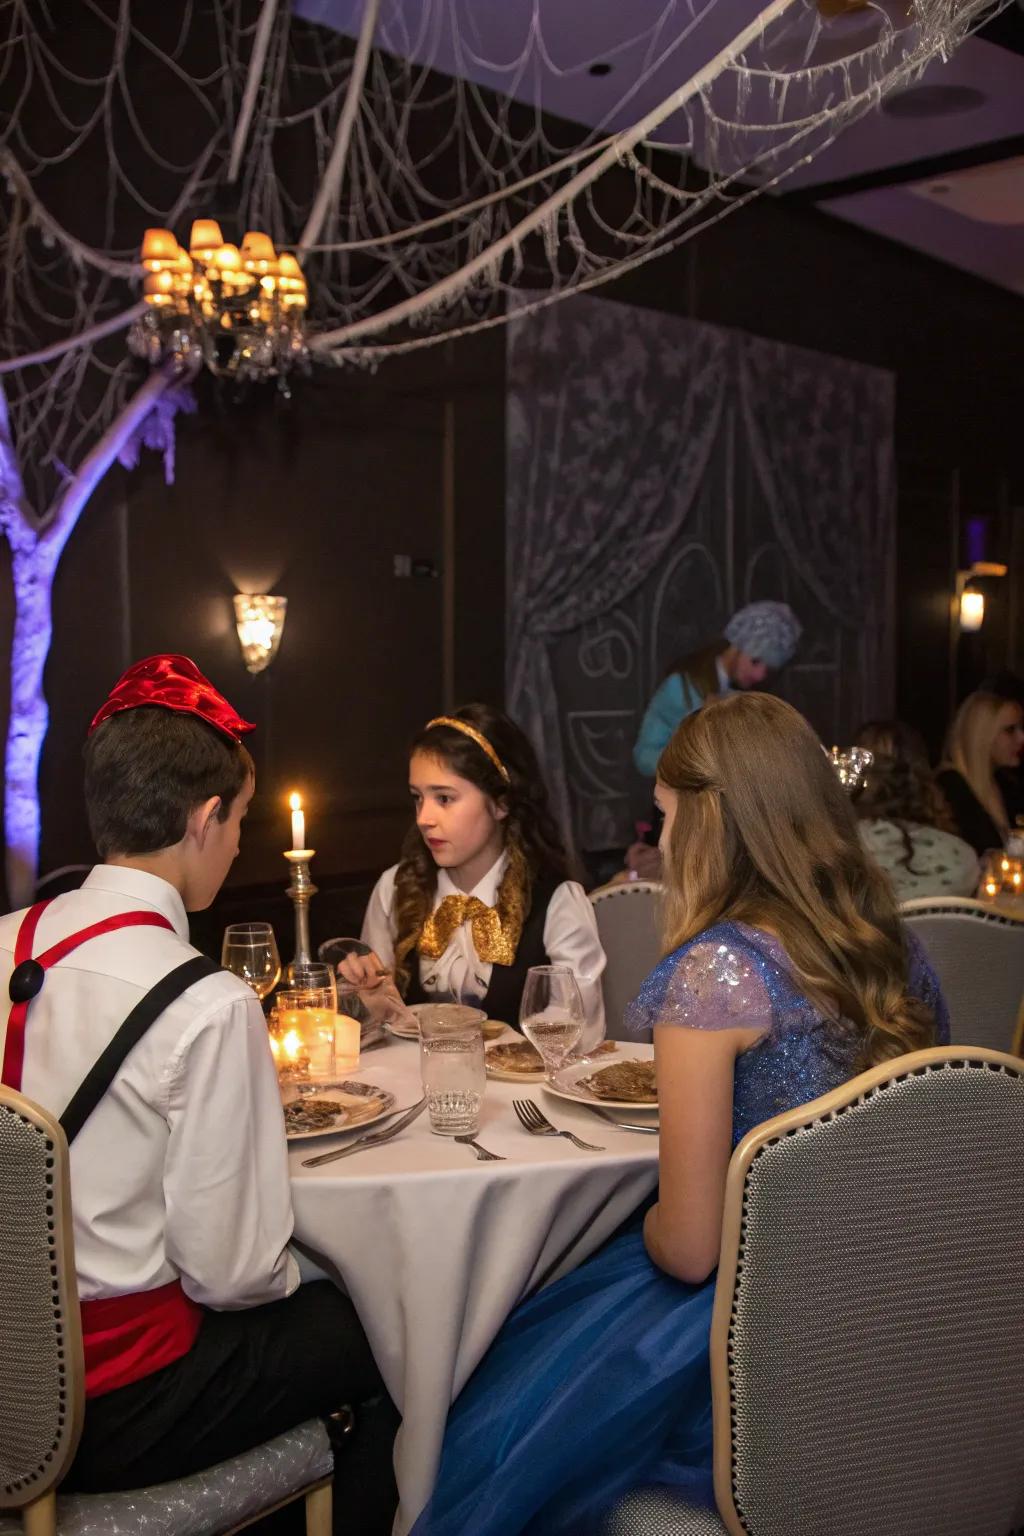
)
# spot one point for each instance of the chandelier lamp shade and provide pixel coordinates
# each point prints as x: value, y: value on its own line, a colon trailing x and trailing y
x: 240, y: 311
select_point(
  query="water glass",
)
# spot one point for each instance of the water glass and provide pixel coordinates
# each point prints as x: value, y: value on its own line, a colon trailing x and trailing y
x: 250, y: 952
x: 452, y: 1064
x: 551, y: 1013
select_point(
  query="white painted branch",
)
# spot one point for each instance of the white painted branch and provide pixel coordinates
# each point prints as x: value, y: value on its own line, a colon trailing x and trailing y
x: 330, y: 187
x: 261, y: 43
x: 620, y: 145
x: 34, y: 559
x: 83, y: 339
x: 100, y: 457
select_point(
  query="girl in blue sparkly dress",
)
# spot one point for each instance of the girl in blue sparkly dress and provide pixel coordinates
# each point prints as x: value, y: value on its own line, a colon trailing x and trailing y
x: 787, y: 972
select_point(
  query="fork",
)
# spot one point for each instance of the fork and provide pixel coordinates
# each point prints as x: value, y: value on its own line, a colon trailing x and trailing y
x: 531, y: 1119
x: 482, y: 1154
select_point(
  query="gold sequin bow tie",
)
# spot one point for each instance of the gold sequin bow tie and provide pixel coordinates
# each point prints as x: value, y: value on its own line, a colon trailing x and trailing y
x: 493, y: 945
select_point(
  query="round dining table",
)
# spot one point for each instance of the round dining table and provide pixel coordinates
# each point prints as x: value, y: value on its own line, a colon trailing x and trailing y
x: 435, y: 1247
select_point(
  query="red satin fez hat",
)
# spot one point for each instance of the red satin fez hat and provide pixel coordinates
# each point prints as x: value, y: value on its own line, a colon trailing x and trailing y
x: 173, y: 682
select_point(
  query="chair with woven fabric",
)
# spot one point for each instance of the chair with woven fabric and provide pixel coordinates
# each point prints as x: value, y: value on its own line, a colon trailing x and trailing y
x: 42, y: 1374
x: 864, y: 1374
x: 977, y: 951
x: 628, y: 923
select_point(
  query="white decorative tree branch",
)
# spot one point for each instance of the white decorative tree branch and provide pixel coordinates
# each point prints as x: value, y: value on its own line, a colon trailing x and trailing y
x: 487, y: 260
x: 35, y: 554
x: 330, y: 188
x: 253, y: 80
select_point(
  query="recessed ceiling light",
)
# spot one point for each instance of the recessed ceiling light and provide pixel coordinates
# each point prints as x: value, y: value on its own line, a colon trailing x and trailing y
x: 599, y: 69
x: 934, y: 101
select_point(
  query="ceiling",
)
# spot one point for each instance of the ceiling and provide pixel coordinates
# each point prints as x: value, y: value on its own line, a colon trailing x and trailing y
x: 939, y: 167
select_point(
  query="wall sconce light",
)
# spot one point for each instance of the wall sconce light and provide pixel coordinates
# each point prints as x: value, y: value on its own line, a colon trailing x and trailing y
x: 260, y: 623
x: 972, y: 610
x: 969, y: 605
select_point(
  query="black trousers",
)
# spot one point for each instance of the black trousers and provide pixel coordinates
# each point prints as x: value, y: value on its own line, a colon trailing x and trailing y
x: 249, y: 1376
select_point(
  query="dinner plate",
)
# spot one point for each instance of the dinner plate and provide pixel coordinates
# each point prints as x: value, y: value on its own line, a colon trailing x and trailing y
x: 566, y: 1083
x: 364, y: 1103
x: 492, y: 1028
x: 502, y: 1075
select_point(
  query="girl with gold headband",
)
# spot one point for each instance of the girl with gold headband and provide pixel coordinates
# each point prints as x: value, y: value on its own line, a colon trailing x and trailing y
x: 483, y: 889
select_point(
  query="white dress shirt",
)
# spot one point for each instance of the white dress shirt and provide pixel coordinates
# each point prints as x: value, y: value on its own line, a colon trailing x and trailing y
x: 181, y: 1170
x: 570, y: 938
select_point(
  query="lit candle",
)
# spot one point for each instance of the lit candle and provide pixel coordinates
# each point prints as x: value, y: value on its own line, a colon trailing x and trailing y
x: 346, y: 1043
x: 298, y: 824
x: 991, y: 889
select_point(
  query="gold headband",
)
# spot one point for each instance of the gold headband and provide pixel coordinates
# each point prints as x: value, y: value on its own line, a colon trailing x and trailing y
x: 474, y: 735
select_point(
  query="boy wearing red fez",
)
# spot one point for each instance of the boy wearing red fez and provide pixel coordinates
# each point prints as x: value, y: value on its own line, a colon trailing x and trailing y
x: 199, y: 1343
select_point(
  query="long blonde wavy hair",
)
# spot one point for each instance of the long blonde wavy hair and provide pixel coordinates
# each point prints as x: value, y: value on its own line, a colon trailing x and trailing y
x: 969, y: 750
x: 764, y: 834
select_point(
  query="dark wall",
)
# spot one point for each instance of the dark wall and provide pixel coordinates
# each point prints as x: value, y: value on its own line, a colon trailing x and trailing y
x: 312, y: 499
x: 787, y: 271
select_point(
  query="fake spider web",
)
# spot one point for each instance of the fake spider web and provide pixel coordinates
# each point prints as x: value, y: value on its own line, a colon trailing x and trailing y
x: 417, y: 199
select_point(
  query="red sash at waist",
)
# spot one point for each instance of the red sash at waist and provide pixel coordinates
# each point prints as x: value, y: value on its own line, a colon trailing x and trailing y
x: 129, y: 1337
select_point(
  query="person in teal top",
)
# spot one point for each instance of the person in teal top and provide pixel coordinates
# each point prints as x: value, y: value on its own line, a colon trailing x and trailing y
x: 758, y: 639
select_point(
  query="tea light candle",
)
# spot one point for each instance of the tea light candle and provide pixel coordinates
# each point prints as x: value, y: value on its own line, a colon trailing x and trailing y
x: 991, y: 888
x: 346, y: 1043
x: 312, y: 1031
x: 298, y: 824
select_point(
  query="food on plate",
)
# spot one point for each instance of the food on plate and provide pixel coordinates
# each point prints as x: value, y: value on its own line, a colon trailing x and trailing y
x: 308, y: 1114
x: 515, y: 1056
x: 631, y: 1081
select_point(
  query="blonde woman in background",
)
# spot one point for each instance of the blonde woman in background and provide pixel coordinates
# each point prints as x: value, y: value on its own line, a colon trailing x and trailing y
x: 905, y: 821
x: 987, y: 734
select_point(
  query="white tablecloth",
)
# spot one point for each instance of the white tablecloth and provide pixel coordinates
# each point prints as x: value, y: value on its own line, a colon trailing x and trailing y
x: 435, y: 1248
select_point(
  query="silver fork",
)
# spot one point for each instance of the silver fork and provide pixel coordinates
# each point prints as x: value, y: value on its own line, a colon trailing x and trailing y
x: 482, y: 1154
x: 531, y: 1119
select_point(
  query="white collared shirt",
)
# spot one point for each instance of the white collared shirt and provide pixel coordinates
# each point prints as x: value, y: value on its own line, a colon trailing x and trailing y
x: 570, y: 938
x: 181, y: 1171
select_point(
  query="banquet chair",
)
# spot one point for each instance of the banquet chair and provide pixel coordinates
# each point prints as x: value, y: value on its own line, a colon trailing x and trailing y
x: 978, y: 955
x: 42, y: 1396
x: 628, y: 918
x: 865, y: 1374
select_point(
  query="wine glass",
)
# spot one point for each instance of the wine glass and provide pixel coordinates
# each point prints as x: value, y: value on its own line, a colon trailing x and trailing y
x: 250, y: 951
x: 551, y: 1013
x: 312, y: 976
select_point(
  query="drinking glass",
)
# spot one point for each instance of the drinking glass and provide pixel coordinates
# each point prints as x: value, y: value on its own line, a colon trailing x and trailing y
x: 452, y: 1065
x: 312, y: 976
x: 304, y: 1023
x: 551, y: 1013
x: 250, y: 951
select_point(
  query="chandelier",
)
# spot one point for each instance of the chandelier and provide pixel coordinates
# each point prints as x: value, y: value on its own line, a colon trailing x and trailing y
x: 240, y: 311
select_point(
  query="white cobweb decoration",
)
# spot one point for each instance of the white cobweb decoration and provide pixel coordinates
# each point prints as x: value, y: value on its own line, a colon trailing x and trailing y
x: 416, y: 197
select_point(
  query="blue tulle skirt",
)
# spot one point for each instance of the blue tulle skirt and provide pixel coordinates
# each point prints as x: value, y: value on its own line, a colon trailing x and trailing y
x: 595, y: 1384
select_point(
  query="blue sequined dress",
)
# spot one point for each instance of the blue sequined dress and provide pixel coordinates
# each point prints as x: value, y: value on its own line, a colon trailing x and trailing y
x: 602, y: 1380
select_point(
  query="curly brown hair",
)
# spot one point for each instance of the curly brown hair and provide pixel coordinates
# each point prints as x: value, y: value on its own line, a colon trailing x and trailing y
x: 532, y: 840
x: 899, y: 786
x: 764, y: 834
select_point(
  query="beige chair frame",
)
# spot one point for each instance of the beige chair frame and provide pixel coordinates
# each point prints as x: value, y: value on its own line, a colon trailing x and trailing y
x: 921, y: 906
x: 739, y: 1166
x: 37, y: 1503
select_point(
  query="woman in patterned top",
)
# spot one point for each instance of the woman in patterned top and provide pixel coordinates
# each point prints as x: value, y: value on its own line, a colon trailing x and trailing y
x: 905, y: 823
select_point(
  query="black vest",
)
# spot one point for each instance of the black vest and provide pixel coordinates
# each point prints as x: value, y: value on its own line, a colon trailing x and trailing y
x: 507, y: 981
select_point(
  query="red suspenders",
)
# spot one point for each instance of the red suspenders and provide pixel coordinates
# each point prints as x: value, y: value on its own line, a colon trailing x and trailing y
x: 28, y: 974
